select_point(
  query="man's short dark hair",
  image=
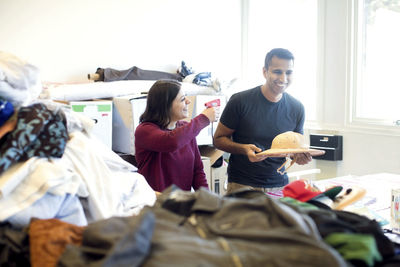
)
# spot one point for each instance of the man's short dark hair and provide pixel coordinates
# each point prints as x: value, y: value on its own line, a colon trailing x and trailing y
x: 278, y: 52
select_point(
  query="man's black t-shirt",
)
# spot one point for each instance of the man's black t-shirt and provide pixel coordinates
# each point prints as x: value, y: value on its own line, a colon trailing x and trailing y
x: 255, y: 120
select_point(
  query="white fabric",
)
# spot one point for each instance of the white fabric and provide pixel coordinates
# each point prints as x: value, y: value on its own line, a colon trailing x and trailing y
x: 87, y: 169
x: 14, y: 176
x: 37, y: 176
x: 19, y: 80
x: 105, y: 185
x: 84, y: 91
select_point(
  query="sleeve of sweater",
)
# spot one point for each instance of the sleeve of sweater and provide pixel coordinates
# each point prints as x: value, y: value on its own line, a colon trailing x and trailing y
x: 151, y: 137
x: 199, y: 177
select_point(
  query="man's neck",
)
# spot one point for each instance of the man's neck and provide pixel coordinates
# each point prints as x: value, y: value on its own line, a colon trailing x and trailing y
x: 269, y: 95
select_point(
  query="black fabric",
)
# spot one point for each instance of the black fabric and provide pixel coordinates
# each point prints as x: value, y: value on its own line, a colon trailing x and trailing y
x: 391, y: 262
x: 218, y: 163
x: 330, y: 221
x: 318, y: 204
x: 336, y: 221
x: 134, y: 73
x: 100, y: 72
x: 14, y: 246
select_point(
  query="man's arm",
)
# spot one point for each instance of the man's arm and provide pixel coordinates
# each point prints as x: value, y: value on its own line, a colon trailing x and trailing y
x: 223, y: 141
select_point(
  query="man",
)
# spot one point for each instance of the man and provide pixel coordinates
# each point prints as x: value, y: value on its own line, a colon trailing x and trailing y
x: 251, y: 120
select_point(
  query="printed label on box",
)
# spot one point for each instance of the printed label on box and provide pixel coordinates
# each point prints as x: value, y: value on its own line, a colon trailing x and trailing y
x: 101, y: 113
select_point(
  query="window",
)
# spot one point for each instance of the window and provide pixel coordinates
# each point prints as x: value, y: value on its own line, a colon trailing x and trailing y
x: 291, y: 24
x: 376, y: 93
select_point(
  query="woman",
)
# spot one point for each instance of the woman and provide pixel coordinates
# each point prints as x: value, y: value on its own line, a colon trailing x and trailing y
x: 166, y: 147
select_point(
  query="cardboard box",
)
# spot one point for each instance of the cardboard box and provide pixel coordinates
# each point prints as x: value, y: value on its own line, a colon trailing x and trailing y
x: 207, y: 171
x: 127, y: 111
x: 215, y: 176
x: 219, y: 178
x: 210, y: 152
x: 101, y: 112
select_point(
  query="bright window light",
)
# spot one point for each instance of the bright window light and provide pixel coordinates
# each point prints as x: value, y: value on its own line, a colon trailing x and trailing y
x: 377, y: 91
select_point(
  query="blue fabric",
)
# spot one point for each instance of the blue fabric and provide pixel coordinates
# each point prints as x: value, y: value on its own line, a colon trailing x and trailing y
x: 203, y: 79
x: 66, y: 208
x: 255, y: 120
x: 185, y: 70
x: 6, y: 111
x: 40, y: 132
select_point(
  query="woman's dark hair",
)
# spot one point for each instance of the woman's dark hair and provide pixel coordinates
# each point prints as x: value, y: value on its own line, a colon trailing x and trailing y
x: 278, y: 52
x: 159, y: 102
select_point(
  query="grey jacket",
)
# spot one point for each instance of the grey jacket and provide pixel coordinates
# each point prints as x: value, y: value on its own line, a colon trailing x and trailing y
x: 203, y: 229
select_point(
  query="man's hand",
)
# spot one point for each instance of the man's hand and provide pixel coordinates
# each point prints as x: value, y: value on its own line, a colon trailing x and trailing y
x: 251, y: 152
x: 223, y: 141
x: 303, y: 158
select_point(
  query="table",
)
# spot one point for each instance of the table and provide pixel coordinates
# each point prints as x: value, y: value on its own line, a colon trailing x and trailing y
x: 377, y: 200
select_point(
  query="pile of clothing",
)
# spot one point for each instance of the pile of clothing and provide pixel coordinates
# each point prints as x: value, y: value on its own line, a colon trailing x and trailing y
x: 50, y: 164
x: 246, y: 228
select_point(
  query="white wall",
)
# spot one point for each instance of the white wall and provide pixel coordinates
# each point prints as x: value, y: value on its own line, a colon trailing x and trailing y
x: 67, y: 39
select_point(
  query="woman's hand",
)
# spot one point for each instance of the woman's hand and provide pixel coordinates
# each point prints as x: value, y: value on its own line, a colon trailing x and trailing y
x: 211, y: 114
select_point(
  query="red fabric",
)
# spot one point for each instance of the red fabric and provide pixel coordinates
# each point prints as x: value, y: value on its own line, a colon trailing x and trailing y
x: 300, y: 190
x: 166, y: 157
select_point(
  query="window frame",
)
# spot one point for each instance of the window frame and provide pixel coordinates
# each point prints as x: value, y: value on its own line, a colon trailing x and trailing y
x: 354, y: 67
